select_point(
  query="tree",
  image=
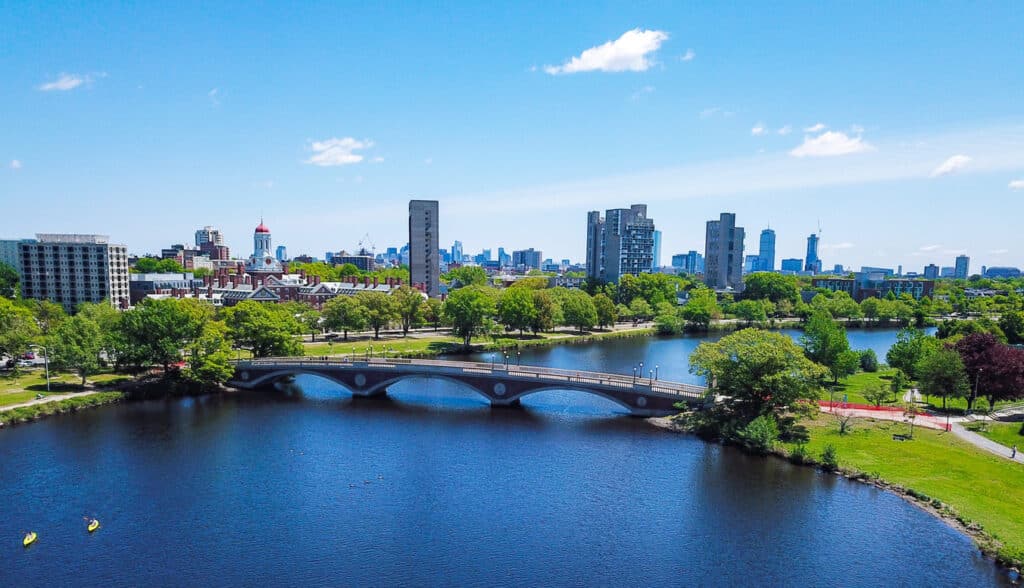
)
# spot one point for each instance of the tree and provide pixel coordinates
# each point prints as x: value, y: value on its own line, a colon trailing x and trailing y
x: 75, y: 346
x: 380, y: 310
x: 152, y: 265
x: 265, y: 329
x: 825, y: 342
x: 516, y: 309
x: 700, y: 308
x: 996, y: 369
x: 868, y: 360
x: 545, y: 313
x: 344, y: 313
x: 578, y: 310
x: 760, y: 434
x: 209, y: 356
x: 49, y: 315
x: 9, y: 282
x: 409, y: 306
x: 307, y: 317
x: 846, y: 364
x: 628, y: 289
x: 876, y: 393
x: 432, y: 312
x: 771, y: 286
x: 468, y: 275
x: 750, y: 311
x: 757, y: 372
x: 467, y: 310
x: 941, y: 373
x: 911, y: 345
x: 18, y: 328
x: 156, y: 331
x: 606, y: 311
x: 640, y: 309
x: 898, y: 384
x: 1012, y: 324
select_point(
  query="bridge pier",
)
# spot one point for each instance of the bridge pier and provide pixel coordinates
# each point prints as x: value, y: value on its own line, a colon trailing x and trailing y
x: 501, y: 403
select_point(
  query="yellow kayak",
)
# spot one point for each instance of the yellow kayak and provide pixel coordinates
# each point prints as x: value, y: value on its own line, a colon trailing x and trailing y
x: 29, y: 539
x: 93, y: 525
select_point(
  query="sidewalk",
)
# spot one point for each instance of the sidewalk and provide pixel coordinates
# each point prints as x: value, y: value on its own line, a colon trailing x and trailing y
x: 50, y: 398
x: 985, y: 443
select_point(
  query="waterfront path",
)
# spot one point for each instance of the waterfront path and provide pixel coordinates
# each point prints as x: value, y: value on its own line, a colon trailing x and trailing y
x: 49, y: 398
x: 984, y: 443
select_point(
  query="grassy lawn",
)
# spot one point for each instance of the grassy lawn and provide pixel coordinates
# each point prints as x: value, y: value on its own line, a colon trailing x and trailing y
x: 854, y: 386
x: 1007, y: 434
x: 982, y: 487
x: 23, y: 387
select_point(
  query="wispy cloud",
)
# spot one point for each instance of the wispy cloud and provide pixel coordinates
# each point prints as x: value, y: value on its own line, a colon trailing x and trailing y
x: 816, y: 128
x: 838, y: 246
x: 1016, y: 185
x: 951, y: 165
x: 639, y: 94
x: 785, y: 130
x: 688, y: 56
x: 66, y: 81
x: 332, y: 152
x: 758, y: 130
x: 831, y: 144
x: 630, y: 52
x: 214, y: 95
x: 929, y: 247
x: 15, y: 164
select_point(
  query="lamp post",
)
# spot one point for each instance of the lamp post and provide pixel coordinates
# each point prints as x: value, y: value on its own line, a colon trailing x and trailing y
x: 506, y: 360
x: 492, y: 361
x: 634, y: 375
x: 519, y: 355
x: 46, y: 364
x: 656, y: 371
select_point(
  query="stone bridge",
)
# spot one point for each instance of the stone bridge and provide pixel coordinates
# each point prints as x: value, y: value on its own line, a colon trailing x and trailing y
x: 501, y: 385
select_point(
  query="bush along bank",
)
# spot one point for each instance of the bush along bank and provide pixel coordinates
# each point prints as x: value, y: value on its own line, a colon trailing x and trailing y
x: 26, y: 414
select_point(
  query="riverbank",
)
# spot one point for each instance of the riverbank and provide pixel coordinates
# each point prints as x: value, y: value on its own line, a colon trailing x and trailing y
x: 973, y: 491
x: 32, y: 412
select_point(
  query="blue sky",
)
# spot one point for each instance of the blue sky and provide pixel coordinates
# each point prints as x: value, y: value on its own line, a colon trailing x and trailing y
x: 898, y: 126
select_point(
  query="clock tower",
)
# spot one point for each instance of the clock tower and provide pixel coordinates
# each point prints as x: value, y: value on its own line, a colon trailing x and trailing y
x: 263, y: 259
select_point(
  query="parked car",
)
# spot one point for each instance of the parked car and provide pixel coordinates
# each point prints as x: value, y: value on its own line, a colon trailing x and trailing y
x: 25, y: 363
x: 28, y: 355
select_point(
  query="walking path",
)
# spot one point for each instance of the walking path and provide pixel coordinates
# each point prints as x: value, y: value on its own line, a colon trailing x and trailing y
x: 985, y: 443
x: 50, y: 398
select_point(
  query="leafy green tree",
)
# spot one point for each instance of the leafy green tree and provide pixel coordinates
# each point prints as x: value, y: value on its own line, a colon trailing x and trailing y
x: 75, y: 346
x: 545, y: 313
x: 757, y: 372
x: 516, y: 309
x: 628, y: 289
x: 700, y: 308
x: 869, y: 308
x: 467, y: 309
x: 49, y: 315
x: 941, y: 373
x: 750, y: 311
x: 209, y: 356
x: 760, y: 434
x: 344, y: 313
x: 771, y: 286
x: 347, y: 270
x: 846, y: 364
x: 579, y: 311
x: 265, y: 329
x: 380, y: 309
x: 868, y: 360
x: 606, y: 312
x: 1012, y: 324
x: 911, y: 345
x: 825, y: 342
x: 152, y: 265
x: 409, y: 306
x: 467, y: 275
x: 898, y: 384
x: 432, y: 313
x: 668, y: 323
x: 18, y: 328
x: 9, y: 282
x: 531, y: 283
x: 640, y: 309
x: 623, y: 312
x: 309, y: 318
x: 656, y: 288
x: 876, y: 393
x: 842, y: 306
x: 156, y: 331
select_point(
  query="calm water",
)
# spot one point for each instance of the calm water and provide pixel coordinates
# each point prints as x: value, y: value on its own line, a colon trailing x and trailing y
x: 433, y: 488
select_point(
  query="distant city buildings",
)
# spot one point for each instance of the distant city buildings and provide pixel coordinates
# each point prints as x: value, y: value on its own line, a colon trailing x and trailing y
x: 656, y: 263
x: 210, y: 242
x: 262, y: 260
x: 931, y: 272
x: 282, y: 253
x: 424, y: 269
x: 1002, y: 272
x: 457, y: 256
x: 723, y: 254
x: 792, y: 266
x: 873, y: 284
x: 691, y: 263
x: 766, y: 252
x: 526, y: 259
x: 962, y: 268
x: 70, y: 269
x: 812, y: 262
x: 620, y: 243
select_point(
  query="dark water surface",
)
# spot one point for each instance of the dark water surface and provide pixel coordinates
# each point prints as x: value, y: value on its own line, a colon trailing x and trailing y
x: 433, y: 488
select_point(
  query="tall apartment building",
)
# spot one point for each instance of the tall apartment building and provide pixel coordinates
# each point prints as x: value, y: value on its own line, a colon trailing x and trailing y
x: 962, y: 268
x: 71, y: 269
x: 424, y: 268
x: 723, y: 254
x: 620, y: 243
x: 210, y: 242
x: 527, y: 259
x: 812, y: 262
x: 766, y: 253
x: 457, y: 256
x: 656, y: 263
x: 690, y: 263
x: 931, y: 272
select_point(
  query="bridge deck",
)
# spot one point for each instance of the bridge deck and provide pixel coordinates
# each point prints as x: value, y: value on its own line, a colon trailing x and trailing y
x: 538, y: 374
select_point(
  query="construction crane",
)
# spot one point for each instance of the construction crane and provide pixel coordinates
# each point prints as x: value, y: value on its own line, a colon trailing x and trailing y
x: 366, y: 240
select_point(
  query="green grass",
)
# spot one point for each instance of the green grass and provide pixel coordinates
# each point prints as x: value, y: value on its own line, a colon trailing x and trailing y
x: 981, y: 487
x: 29, y: 413
x: 26, y: 384
x: 1007, y: 434
x: 854, y: 386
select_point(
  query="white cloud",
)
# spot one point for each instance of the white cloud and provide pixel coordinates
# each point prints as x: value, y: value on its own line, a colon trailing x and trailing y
x: 1016, y: 185
x: 214, y: 95
x: 829, y: 144
x: 785, y: 130
x: 951, y: 165
x: 929, y: 247
x: 758, y: 130
x: 636, y: 96
x: 627, y: 53
x: 836, y: 246
x: 66, y: 81
x: 15, y: 164
x: 815, y: 128
x: 335, y: 151
x: 690, y: 54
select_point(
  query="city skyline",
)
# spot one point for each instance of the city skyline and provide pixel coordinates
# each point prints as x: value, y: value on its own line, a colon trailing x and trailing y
x: 474, y: 116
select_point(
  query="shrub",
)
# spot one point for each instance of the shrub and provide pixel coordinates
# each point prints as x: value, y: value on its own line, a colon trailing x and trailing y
x: 1021, y: 431
x: 760, y: 434
x: 799, y: 454
x: 868, y: 360
x: 829, y: 458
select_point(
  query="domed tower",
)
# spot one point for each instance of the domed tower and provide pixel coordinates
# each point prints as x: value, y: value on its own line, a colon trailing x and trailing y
x: 262, y: 260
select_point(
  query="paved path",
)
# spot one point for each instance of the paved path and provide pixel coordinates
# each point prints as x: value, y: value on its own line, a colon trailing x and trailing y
x: 985, y: 443
x: 50, y: 398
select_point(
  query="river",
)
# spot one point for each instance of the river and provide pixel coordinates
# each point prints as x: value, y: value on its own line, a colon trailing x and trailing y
x: 431, y: 487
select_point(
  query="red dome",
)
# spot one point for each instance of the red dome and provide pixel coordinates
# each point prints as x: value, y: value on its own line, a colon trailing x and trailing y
x: 262, y: 228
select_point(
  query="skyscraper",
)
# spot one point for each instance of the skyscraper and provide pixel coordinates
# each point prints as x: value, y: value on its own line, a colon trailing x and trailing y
x: 457, y: 252
x: 620, y: 243
x: 766, y: 254
x: 526, y: 259
x: 723, y: 254
x: 813, y: 262
x: 963, y: 267
x: 931, y: 271
x: 424, y: 269
x: 281, y: 253
x: 656, y: 263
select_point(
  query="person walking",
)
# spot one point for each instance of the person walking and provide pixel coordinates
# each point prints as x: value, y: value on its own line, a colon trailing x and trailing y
x: 1013, y: 452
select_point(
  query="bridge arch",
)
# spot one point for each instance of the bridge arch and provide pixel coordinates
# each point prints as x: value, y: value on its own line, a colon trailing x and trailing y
x: 348, y: 383
x: 629, y: 408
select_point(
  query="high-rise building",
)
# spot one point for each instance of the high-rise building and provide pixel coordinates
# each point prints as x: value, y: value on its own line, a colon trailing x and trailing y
x: 690, y: 263
x: 71, y: 269
x: 457, y: 252
x: 424, y: 269
x: 812, y: 263
x: 526, y: 259
x: 751, y: 263
x: 792, y: 265
x: 947, y: 271
x: 620, y: 243
x: 931, y: 271
x: 766, y: 253
x: 281, y: 253
x: 963, y: 267
x: 723, y: 254
x: 657, y: 252
x: 504, y: 259
x: 209, y: 234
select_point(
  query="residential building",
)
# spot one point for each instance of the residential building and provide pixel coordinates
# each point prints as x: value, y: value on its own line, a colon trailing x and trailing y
x: 620, y: 243
x: 71, y: 269
x: 792, y: 266
x: 424, y: 269
x: 838, y: 269
x: 812, y: 262
x: 526, y: 259
x: 210, y: 242
x: 867, y: 285
x: 931, y: 272
x: 170, y: 284
x: 962, y: 268
x: 766, y: 253
x: 723, y: 254
x: 947, y: 271
x: 690, y: 263
x: 656, y: 263
x: 1002, y: 272
x: 10, y: 252
x: 363, y: 259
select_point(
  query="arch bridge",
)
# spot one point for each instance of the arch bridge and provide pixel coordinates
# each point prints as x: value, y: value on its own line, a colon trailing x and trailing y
x: 501, y: 385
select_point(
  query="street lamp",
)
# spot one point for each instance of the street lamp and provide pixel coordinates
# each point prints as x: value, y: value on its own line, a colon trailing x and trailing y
x: 506, y: 360
x: 518, y: 356
x: 46, y: 364
x: 492, y: 361
x: 656, y: 372
x: 634, y: 375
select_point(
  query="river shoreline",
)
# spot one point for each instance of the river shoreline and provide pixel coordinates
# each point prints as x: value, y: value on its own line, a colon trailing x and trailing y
x: 988, y: 545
